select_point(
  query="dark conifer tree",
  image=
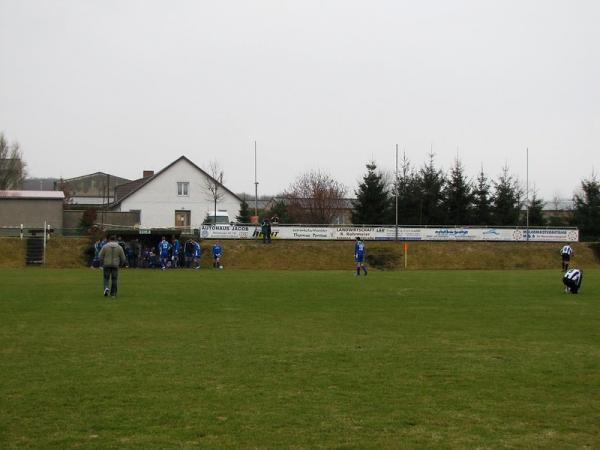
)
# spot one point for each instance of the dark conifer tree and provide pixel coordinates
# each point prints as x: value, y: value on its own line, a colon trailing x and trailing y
x: 372, y: 204
x: 244, y: 215
x: 407, y: 187
x: 458, y: 196
x: 506, y: 200
x: 280, y: 210
x: 482, y: 202
x: 536, y: 211
x: 586, y: 215
x: 431, y: 184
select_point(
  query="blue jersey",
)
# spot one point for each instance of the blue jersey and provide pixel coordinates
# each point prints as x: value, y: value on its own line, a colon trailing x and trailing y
x: 176, y: 247
x: 197, y: 250
x: 359, y: 251
x: 216, y: 250
x: 163, y: 248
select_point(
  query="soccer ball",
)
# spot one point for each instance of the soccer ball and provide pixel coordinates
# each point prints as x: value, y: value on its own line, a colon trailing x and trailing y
x: 220, y: 267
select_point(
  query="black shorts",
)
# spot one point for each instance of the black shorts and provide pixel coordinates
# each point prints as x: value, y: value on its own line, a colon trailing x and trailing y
x: 566, y: 257
x: 574, y: 286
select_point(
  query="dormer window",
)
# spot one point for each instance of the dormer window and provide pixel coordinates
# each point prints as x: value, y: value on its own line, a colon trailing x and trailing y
x: 183, y: 188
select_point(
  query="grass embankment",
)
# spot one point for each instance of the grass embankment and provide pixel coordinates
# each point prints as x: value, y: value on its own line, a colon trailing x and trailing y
x: 68, y: 252
x: 12, y: 252
x: 390, y: 255
x: 299, y: 359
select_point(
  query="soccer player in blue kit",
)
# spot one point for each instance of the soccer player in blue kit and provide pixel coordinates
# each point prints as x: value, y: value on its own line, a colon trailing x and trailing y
x: 175, y: 255
x: 196, y: 254
x: 217, y: 251
x: 359, y: 256
x: 163, y: 252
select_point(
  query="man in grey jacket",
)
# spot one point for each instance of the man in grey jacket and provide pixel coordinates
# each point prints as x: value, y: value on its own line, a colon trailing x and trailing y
x: 111, y: 257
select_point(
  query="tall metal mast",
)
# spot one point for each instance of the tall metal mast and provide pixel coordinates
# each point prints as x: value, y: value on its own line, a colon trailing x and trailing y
x: 255, y: 184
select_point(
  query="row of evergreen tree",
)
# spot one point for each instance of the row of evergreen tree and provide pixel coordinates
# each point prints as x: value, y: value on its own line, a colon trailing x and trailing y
x: 428, y: 196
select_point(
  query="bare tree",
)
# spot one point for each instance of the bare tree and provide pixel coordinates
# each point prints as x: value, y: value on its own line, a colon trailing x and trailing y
x: 214, y: 184
x: 315, y: 197
x: 556, y: 201
x: 12, y: 166
x: 62, y: 185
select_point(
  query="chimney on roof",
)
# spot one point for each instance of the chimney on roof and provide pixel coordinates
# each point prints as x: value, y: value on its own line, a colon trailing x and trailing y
x: 148, y: 173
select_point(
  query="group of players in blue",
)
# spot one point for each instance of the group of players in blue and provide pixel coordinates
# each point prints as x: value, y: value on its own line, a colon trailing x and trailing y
x: 169, y: 253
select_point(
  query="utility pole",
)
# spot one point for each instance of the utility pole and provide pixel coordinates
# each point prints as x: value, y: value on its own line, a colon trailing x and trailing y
x: 527, y: 194
x: 255, y: 185
x: 396, y: 192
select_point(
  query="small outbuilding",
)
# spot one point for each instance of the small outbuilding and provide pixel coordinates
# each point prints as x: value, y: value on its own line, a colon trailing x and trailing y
x: 31, y: 209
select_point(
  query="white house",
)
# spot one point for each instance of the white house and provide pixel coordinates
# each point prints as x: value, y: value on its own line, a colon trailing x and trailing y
x: 177, y: 196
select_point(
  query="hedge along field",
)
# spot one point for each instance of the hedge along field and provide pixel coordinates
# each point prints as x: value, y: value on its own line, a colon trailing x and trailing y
x: 338, y: 255
x: 299, y: 359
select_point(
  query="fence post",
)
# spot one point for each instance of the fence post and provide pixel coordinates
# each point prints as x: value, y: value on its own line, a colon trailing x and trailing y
x: 44, y: 248
x: 21, y: 232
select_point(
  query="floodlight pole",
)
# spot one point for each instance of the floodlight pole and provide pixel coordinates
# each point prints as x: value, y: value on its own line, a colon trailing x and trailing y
x: 527, y: 193
x: 255, y: 184
x: 45, y: 242
x: 396, y: 192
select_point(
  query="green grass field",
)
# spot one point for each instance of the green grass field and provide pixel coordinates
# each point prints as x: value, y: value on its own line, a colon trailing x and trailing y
x: 250, y: 359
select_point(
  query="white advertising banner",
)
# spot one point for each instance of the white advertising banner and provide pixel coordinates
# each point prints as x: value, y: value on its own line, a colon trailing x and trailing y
x: 389, y: 233
x: 226, y: 232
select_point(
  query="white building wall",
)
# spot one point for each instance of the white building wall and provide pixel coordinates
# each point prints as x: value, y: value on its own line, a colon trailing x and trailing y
x: 158, y: 200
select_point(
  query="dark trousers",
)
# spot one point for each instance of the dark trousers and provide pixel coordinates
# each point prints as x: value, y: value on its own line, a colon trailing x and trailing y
x: 132, y: 261
x: 111, y: 273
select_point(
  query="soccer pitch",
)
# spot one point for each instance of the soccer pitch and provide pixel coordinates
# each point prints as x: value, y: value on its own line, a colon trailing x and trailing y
x: 290, y: 359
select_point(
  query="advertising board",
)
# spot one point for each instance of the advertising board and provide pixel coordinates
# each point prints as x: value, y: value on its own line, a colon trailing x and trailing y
x: 389, y: 233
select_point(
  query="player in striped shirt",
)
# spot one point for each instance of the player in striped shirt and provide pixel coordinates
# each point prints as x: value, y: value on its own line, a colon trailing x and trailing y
x: 572, y: 280
x: 565, y: 253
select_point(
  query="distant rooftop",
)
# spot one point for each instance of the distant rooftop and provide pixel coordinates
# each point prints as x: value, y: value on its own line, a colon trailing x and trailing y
x: 42, y: 195
x: 39, y: 184
x: 562, y: 204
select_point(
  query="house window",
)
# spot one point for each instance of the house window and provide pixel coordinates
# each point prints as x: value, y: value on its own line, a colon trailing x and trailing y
x: 183, y: 188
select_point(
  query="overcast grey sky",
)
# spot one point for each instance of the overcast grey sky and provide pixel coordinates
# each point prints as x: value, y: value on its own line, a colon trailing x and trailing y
x: 121, y: 86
